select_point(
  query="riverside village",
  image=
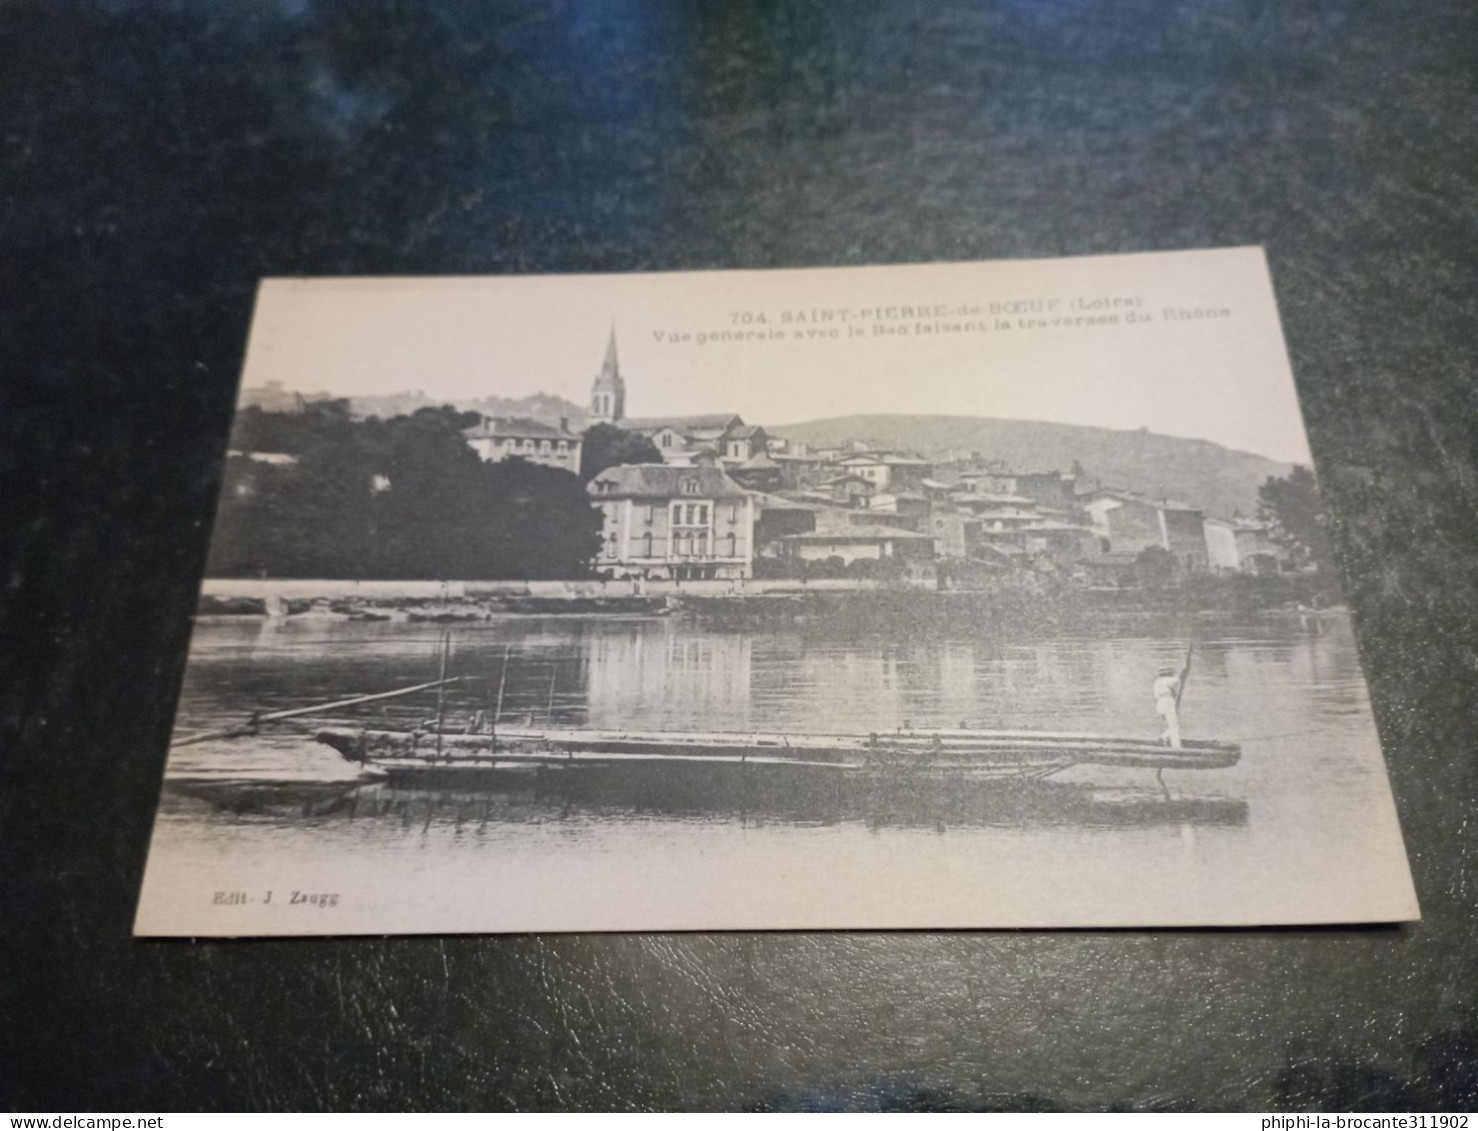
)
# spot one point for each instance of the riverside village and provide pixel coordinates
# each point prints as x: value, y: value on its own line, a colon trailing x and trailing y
x: 657, y: 507
x: 871, y: 639
x: 613, y: 600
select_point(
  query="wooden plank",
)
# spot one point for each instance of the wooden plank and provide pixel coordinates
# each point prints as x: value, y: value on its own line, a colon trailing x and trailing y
x: 1172, y: 759
x: 490, y: 761
x: 814, y: 740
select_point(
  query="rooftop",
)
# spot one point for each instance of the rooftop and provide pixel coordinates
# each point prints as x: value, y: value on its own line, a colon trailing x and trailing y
x: 1006, y: 473
x: 683, y: 424
x: 1251, y: 525
x: 520, y: 427
x: 760, y: 462
x: 1053, y: 524
x: 863, y: 532
x: 1006, y: 514
x: 662, y: 481
x: 982, y: 497
x: 892, y: 459
x: 1135, y: 497
x: 768, y: 502
x: 811, y: 498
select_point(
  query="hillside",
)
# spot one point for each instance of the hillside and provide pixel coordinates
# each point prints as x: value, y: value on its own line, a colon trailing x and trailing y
x: 1207, y: 475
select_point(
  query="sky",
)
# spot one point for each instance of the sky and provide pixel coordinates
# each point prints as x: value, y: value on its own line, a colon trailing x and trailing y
x: 1182, y: 343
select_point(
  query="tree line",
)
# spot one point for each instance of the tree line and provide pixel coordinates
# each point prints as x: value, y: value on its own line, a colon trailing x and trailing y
x: 1295, y: 512
x: 317, y: 493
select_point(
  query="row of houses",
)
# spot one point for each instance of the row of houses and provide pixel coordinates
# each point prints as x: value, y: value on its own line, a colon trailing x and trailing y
x: 728, y: 498
x: 696, y: 522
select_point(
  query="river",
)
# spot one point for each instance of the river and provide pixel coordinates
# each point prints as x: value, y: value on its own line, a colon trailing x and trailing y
x: 1300, y: 830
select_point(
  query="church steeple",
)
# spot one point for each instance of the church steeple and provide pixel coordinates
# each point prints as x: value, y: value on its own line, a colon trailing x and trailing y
x: 608, y: 394
x: 611, y: 367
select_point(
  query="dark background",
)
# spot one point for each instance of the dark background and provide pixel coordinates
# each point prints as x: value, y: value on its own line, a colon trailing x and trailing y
x: 159, y: 158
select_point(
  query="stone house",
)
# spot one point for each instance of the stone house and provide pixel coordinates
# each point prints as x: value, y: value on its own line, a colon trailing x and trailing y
x: 496, y: 438
x: 679, y: 523
x: 1129, y: 523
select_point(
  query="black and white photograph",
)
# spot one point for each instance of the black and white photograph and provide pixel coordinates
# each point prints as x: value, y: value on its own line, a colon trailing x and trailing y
x: 966, y: 595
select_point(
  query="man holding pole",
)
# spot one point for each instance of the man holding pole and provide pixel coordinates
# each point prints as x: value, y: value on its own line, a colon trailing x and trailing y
x: 1168, y: 687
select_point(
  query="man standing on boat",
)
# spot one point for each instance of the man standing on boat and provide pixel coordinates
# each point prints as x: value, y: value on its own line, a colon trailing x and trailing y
x: 1168, y: 686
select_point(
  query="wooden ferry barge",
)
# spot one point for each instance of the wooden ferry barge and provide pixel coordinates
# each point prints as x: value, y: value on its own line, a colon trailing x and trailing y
x: 965, y: 753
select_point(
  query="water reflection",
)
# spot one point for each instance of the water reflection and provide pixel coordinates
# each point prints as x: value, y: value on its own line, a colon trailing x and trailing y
x: 663, y: 673
x: 1299, y: 830
x: 1292, y: 697
x: 664, y: 677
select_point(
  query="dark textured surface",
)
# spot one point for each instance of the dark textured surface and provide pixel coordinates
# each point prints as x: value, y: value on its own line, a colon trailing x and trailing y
x: 158, y: 159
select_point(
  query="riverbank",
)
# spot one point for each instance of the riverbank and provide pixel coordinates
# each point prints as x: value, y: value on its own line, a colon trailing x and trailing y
x: 446, y: 601
x: 844, y: 601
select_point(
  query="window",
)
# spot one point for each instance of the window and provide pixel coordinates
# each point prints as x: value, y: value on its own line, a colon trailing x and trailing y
x: 690, y: 487
x: 651, y: 514
x: 646, y: 544
x: 667, y: 439
x: 703, y: 514
x: 733, y: 545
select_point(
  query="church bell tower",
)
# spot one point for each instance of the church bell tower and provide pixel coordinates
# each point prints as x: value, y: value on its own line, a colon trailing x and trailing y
x: 608, y: 394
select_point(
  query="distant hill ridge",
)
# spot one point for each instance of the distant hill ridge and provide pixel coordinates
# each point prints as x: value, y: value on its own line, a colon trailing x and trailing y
x: 540, y: 406
x: 1217, y: 479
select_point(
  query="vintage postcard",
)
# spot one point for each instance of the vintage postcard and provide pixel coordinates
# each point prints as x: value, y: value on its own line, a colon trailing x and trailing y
x: 952, y: 595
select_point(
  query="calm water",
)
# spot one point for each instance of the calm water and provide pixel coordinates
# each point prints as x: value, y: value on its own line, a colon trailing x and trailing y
x: 1282, y: 835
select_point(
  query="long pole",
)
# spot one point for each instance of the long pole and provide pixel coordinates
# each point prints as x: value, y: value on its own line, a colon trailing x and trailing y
x: 250, y: 728
x: 502, y: 683
x: 503, y: 680
x: 446, y: 649
x: 492, y: 725
x: 1185, y: 676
